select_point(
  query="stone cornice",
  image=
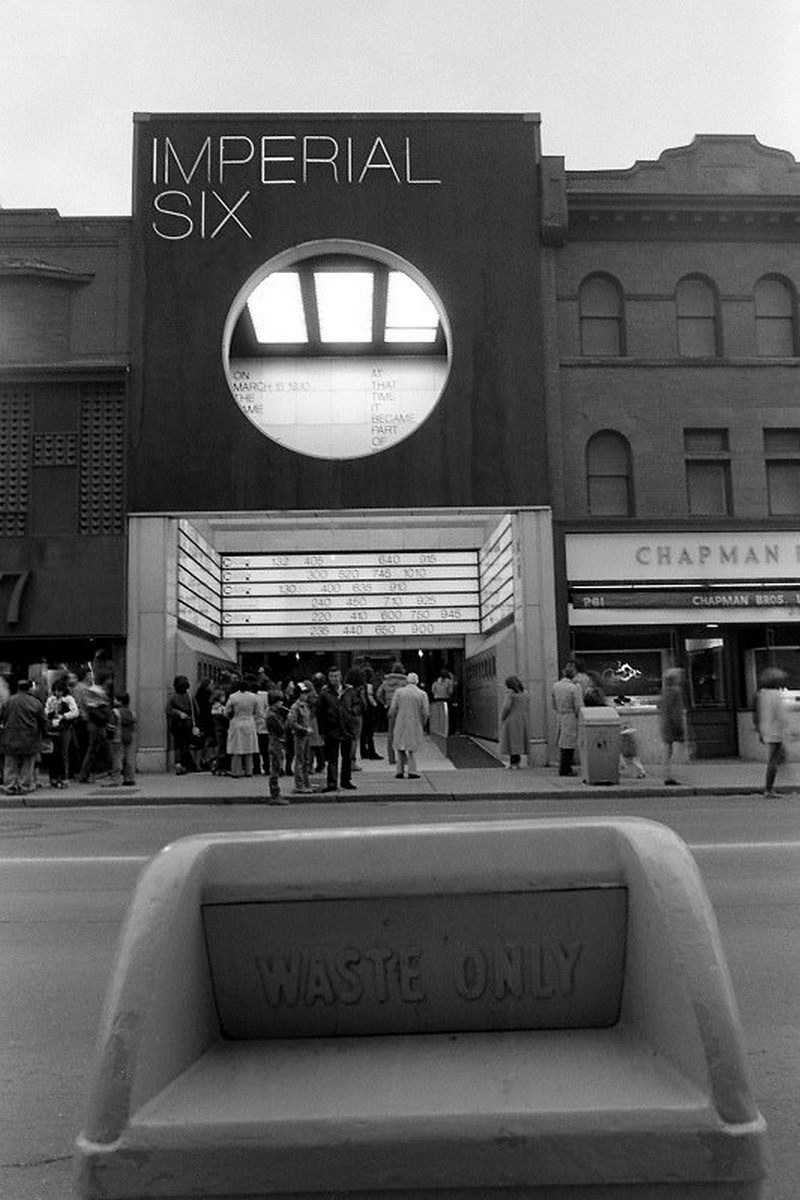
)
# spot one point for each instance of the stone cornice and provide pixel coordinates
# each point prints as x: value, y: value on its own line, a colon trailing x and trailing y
x: 38, y: 269
x: 718, y: 218
x: 113, y: 367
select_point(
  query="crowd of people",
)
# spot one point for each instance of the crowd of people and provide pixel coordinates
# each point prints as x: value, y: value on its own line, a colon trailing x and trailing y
x: 68, y: 724
x: 65, y: 725
x: 578, y: 688
x: 245, y: 725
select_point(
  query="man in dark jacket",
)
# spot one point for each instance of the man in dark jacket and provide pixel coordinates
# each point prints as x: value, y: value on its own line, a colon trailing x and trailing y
x: 24, y: 727
x: 336, y: 719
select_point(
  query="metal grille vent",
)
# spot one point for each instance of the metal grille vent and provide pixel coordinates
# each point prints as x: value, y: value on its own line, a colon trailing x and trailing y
x: 15, y: 441
x: 102, y: 458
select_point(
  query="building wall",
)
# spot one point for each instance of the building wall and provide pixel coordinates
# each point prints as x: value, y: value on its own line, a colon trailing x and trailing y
x: 725, y: 209
x: 474, y: 236
x: 64, y: 287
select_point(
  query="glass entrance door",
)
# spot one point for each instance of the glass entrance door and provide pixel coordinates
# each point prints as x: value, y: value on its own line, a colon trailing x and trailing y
x: 712, y: 718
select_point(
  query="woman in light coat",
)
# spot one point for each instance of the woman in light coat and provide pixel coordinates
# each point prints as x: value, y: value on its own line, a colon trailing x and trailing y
x: 410, y: 710
x: 514, y: 731
x: 567, y: 699
x: 773, y: 723
x: 242, y: 737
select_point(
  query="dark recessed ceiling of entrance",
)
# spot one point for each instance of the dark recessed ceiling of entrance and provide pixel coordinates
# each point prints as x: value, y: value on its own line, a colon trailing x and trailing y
x: 385, y: 341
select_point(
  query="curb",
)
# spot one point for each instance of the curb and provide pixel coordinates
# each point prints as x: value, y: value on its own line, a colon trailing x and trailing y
x: 133, y: 799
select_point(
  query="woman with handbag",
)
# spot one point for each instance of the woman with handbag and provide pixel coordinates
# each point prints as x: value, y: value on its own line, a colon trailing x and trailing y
x: 182, y: 722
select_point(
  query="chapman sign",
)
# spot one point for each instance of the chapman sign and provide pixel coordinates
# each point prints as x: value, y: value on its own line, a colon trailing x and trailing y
x: 668, y: 558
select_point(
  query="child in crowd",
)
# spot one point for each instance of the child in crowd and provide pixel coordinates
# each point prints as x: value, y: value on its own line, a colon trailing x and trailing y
x: 60, y: 712
x: 276, y: 735
x: 300, y: 723
x: 629, y: 751
x: 126, y: 719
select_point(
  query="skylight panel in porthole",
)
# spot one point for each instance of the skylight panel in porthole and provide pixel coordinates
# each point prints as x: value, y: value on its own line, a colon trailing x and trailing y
x: 410, y: 315
x: 344, y: 304
x: 276, y: 310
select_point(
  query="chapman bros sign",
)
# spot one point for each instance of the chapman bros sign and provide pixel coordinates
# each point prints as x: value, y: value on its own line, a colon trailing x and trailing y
x: 694, y: 571
x: 209, y: 187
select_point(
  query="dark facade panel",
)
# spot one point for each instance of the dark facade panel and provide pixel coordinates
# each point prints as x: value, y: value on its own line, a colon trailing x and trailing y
x: 456, y: 197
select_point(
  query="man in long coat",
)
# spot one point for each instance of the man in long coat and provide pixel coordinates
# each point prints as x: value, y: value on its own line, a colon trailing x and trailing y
x: 567, y: 702
x: 23, y: 729
x: 410, y: 708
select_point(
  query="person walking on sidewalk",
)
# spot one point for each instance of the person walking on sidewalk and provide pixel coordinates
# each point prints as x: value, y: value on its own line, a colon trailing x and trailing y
x: 24, y: 728
x: 567, y: 700
x: 357, y: 702
x: 275, y: 721
x: 300, y: 724
x: 61, y: 713
x: 97, y: 759
x: 337, y: 724
x: 242, y: 737
x: 773, y: 721
x: 672, y: 719
x: 367, y: 746
x: 396, y: 678
x: 181, y: 715
x: 411, y: 710
x: 514, y: 732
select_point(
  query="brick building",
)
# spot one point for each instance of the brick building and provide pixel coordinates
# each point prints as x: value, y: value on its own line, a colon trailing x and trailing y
x: 673, y: 426
x: 583, y: 438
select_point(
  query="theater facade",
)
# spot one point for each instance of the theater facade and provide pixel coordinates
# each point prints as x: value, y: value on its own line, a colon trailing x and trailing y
x: 401, y: 386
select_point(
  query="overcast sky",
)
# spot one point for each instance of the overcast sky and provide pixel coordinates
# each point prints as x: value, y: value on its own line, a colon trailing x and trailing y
x: 614, y: 80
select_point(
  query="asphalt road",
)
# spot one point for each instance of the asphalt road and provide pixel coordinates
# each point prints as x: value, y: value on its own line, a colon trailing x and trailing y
x: 66, y: 877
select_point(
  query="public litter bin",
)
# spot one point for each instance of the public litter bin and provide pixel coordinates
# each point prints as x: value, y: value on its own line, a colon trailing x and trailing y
x: 489, y: 1009
x: 598, y: 739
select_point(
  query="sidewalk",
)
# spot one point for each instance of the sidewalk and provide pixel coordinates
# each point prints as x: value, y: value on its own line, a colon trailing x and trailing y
x: 439, y: 780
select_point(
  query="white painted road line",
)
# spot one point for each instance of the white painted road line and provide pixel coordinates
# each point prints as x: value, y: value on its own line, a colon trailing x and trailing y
x: 89, y: 859
x: 83, y: 859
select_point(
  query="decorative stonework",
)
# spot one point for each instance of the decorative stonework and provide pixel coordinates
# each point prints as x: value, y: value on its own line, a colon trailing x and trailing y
x: 55, y: 450
x: 102, y: 460
x: 15, y: 440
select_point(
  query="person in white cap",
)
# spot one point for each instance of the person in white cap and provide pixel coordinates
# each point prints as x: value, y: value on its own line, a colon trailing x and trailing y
x: 410, y: 708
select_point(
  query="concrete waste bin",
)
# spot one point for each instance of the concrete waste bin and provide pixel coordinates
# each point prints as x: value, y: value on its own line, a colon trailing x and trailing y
x: 598, y: 743
x: 499, y: 1009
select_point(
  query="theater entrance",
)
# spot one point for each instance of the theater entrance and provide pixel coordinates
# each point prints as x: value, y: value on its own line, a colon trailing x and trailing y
x: 470, y: 590
x: 426, y: 662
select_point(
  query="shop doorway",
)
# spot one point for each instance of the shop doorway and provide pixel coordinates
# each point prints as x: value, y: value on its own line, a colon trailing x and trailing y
x: 710, y: 686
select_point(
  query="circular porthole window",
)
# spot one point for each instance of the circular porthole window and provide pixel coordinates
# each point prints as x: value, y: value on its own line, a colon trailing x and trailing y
x: 337, y: 349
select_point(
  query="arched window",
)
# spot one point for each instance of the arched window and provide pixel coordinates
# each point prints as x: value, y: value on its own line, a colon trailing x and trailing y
x: 608, y: 475
x: 776, y: 321
x: 601, y: 317
x: 697, y: 314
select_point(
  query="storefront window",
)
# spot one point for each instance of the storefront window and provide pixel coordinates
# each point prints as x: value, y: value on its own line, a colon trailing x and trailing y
x: 626, y: 675
x: 337, y: 350
x: 786, y: 658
